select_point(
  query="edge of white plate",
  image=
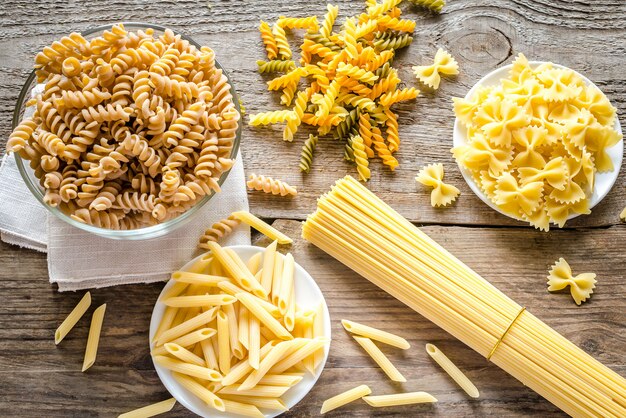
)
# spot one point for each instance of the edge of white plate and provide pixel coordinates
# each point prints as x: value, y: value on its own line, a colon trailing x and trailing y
x: 605, y: 180
x: 171, y: 385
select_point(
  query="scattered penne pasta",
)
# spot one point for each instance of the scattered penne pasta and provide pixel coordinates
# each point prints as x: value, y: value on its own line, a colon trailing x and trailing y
x: 262, y: 227
x: 380, y: 359
x: 94, y: 337
x: 375, y: 334
x: 457, y: 375
x: 150, y: 410
x: 71, y: 320
x: 345, y: 398
x: 399, y: 399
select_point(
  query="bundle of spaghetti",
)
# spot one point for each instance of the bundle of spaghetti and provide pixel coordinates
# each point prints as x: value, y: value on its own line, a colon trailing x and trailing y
x: 353, y: 225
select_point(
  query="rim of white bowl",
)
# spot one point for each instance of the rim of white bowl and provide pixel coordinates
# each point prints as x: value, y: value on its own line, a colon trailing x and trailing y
x: 459, y: 137
x: 173, y: 387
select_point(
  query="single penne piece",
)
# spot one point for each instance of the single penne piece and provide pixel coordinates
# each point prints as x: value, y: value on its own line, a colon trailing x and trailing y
x: 73, y: 317
x: 223, y: 342
x: 200, y: 391
x: 305, y: 320
x: 380, y: 358
x: 286, y: 283
x: 277, y: 277
x: 174, y: 290
x: 255, y: 286
x: 375, y: 334
x: 233, y: 264
x: 210, y: 357
x: 199, y: 320
x: 264, y: 228
x: 243, y: 409
x: 184, y: 355
x: 399, y: 399
x: 94, y: 337
x: 188, y: 369
x: 150, y: 410
x: 265, y: 317
x: 166, y: 322
x: 197, y: 278
x: 308, y: 348
x: 180, y: 316
x: 243, y: 368
x: 199, y: 300
x: 318, y: 331
x: 268, y: 266
x: 258, y: 390
x: 281, y: 379
x: 345, y: 398
x: 233, y: 331
x: 201, y: 266
x: 273, y: 404
x: 267, y: 334
x: 233, y: 289
x: 191, y: 313
x: 186, y: 340
x: 274, y: 356
x: 457, y: 375
x: 254, y: 341
x: 242, y: 328
x: 289, y: 318
x: 254, y: 263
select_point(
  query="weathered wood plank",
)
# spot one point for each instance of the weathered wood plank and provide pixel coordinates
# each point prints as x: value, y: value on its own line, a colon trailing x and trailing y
x: 516, y: 260
x: 586, y: 36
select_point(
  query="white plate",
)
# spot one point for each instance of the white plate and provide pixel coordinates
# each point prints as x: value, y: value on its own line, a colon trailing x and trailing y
x: 308, y: 294
x: 603, y: 181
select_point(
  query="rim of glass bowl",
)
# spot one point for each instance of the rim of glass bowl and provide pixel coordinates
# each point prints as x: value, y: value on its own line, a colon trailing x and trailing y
x: 131, y: 234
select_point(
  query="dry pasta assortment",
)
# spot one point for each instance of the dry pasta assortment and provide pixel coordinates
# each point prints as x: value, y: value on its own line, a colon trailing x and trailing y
x: 131, y: 129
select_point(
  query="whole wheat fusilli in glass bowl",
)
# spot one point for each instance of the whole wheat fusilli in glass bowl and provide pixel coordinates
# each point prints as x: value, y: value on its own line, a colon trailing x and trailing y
x: 135, y: 130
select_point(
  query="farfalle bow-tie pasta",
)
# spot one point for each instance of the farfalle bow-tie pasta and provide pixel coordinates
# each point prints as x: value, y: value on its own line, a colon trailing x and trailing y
x: 581, y: 286
x: 442, y: 194
x: 536, y: 142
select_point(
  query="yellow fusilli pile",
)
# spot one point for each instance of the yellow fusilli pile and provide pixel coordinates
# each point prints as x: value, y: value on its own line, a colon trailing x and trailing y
x: 131, y: 128
x: 351, y: 84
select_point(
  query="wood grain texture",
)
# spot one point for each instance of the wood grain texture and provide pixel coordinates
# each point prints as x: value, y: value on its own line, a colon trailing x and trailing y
x: 586, y: 36
x: 123, y: 377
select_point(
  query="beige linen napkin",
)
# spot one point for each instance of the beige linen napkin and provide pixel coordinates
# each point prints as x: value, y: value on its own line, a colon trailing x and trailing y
x: 80, y: 260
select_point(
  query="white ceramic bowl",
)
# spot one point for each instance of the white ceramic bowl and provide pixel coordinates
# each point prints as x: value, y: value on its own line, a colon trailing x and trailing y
x: 308, y: 294
x: 603, y: 181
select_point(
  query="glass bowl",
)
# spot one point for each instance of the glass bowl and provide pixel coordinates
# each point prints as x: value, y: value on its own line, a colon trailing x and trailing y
x: 148, y: 232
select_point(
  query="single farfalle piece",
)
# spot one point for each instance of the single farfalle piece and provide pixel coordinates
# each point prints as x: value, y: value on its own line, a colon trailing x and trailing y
x: 530, y: 139
x: 430, y: 75
x: 560, y: 84
x: 479, y: 154
x: 218, y: 231
x: 580, y: 286
x: 515, y: 199
x: 554, y: 172
x: 270, y: 185
x: 442, y: 194
x: 498, y: 118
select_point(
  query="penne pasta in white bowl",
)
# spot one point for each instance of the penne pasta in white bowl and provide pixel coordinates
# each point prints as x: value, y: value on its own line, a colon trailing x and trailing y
x: 291, y: 347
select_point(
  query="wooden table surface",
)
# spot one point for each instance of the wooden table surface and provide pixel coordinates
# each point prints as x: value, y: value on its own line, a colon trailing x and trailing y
x: 40, y: 379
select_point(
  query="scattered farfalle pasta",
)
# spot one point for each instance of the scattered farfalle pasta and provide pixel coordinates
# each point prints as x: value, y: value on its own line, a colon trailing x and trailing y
x: 131, y: 129
x: 443, y: 63
x: 433, y: 5
x: 536, y: 141
x: 349, y: 77
x: 581, y: 287
x: 442, y: 194
x: 270, y: 185
x: 218, y: 231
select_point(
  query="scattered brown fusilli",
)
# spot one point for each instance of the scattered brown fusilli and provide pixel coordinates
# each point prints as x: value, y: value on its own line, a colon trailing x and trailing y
x: 270, y: 185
